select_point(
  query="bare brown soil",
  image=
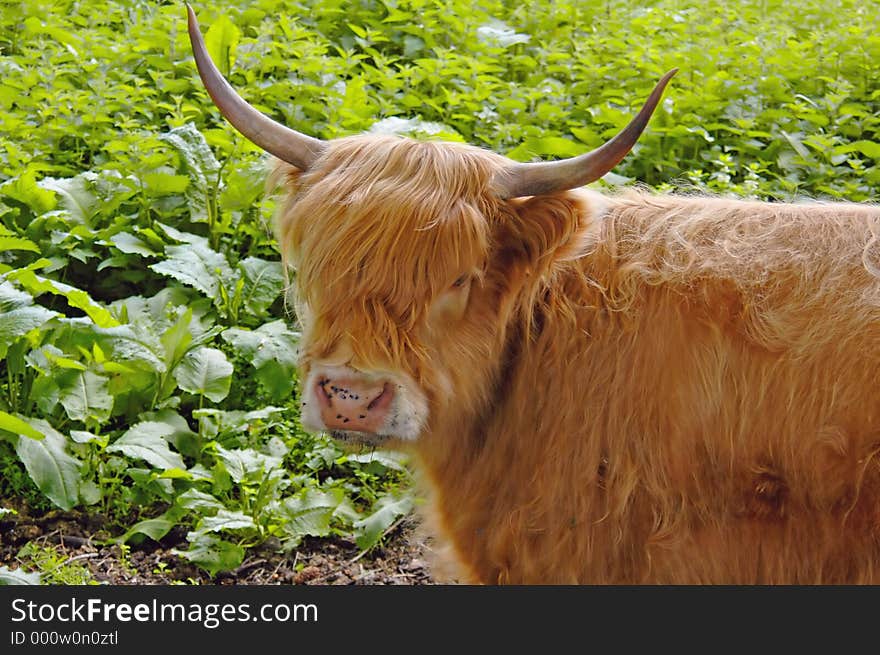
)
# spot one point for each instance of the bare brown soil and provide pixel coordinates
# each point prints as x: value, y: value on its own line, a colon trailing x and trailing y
x: 81, y: 539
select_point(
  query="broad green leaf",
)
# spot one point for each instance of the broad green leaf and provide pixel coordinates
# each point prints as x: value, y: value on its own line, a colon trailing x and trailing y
x: 133, y: 343
x: 43, y: 359
x: 226, y: 520
x: 86, y: 397
x: 197, y: 266
x: 270, y: 341
x: 199, y: 501
x: 177, y: 432
x: 264, y: 282
x: 246, y: 462
x: 89, y: 492
x: 386, y: 459
x: 867, y: 148
x: 357, y: 30
x: 25, y: 189
x: 117, y: 369
x: 37, y: 285
x: 273, y: 350
x: 310, y: 512
x: 77, y: 195
x: 211, y: 553
x: 244, y: 186
x: 586, y: 135
x: 200, y: 472
x: 45, y: 392
x: 132, y: 244
x: 206, y: 372
x: 221, y: 40
x: 165, y: 183
x: 386, y: 511
x: 117, y: 261
x: 147, y: 441
x: 34, y: 26
x: 201, y: 167
x: 13, y: 298
x: 155, y: 529
x: 17, y: 426
x: 184, y: 237
x: 175, y: 474
x: 149, y: 485
x: 414, y: 127
x: 52, y: 469
x: 177, y: 339
x: 61, y: 361
x: 81, y: 436
x: 797, y: 144
x: 17, y: 243
x: 18, y: 322
x: 262, y: 414
x: 18, y: 577
x: 547, y: 146
x: 497, y: 33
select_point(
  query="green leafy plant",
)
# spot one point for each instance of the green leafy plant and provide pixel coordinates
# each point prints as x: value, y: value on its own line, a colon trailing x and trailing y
x: 50, y: 566
x: 147, y: 357
x: 18, y: 577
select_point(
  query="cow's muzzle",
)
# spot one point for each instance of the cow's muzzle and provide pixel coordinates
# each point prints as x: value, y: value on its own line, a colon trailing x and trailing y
x: 363, y: 407
x: 353, y: 404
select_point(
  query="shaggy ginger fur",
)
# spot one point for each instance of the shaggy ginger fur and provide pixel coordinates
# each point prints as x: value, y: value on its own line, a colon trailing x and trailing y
x: 634, y: 389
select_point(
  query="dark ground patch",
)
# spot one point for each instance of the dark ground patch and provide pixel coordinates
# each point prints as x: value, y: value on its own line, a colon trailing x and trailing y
x: 80, y: 541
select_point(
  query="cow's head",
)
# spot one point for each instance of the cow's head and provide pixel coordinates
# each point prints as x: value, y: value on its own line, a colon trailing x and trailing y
x: 403, y: 251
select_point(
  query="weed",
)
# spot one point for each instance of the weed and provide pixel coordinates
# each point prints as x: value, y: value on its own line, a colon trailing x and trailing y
x: 54, y: 566
x: 147, y: 363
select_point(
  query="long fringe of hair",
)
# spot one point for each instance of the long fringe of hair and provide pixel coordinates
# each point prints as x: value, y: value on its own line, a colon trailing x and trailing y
x: 644, y: 388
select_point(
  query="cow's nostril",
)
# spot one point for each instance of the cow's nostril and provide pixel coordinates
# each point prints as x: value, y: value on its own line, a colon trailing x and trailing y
x: 321, y: 393
x: 375, y: 401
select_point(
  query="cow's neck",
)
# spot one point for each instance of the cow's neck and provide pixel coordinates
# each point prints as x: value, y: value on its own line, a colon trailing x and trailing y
x: 467, y: 458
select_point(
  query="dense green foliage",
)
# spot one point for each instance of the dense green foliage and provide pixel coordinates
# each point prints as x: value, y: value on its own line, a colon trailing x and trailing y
x: 147, y: 360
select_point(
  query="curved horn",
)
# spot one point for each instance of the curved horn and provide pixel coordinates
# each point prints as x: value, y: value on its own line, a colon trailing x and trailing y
x: 286, y: 144
x: 541, y: 178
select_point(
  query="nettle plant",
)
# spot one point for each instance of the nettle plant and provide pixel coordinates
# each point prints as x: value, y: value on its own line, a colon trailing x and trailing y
x: 146, y: 353
x: 175, y: 402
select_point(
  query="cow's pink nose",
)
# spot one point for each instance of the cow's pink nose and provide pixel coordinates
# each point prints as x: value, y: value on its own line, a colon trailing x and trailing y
x: 353, y: 404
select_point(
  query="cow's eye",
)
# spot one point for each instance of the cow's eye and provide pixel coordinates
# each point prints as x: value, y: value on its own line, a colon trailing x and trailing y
x: 460, y: 282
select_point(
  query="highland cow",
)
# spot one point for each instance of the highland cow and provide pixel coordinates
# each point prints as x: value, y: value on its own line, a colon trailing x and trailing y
x: 633, y: 388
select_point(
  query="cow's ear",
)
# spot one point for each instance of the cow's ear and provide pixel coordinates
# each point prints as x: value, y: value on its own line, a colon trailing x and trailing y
x: 543, y: 231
